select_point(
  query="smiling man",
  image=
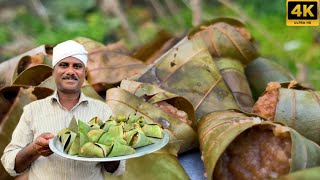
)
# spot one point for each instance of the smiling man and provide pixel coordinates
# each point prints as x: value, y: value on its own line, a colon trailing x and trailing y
x: 29, y: 149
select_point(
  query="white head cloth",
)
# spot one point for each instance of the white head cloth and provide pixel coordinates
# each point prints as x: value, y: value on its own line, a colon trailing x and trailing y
x: 67, y: 49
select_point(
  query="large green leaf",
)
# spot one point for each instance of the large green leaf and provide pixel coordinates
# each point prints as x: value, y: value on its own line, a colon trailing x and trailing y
x: 226, y: 37
x: 189, y: 71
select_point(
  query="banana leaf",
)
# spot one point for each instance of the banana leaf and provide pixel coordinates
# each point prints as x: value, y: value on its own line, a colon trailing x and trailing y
x: 106, y: 139
x: 121, y: 118
x: 66, y: 137
x: 261, y: 71
x: 155, y: 94
x: 83, y: 127
x: 119, y: 149
x: 141, y: 121
x: 188, y: 70
x: 34, y: 75
x: 95, y: 120
x: 73, y: 125
x: 94, y: 46
x: 294, y: 106
x: 137, y: 139
x: 132, y: 119
x: 233, y: 75
x: 166, y: 159
x: 106, y: 125
x: 10, y: 69
x: 226, y: 37
x: 90, y: 149
x: 306, y: 174
x: 95, y: 134
x: 125, y: 103
x: 75, y: 146
x: 107, y: 68
x: 152, y: 130
x: 218, y: 130
x: 12, y: 101
x: 116, y: 131
x: 149, y: 52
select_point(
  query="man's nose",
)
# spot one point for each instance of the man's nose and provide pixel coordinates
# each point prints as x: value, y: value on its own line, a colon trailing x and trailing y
x: 70, y: 70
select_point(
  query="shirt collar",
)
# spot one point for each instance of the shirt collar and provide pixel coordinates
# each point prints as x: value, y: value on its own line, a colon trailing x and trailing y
x: 55, y: 97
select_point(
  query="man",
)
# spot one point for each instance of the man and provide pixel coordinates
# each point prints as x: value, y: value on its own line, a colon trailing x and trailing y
x: 29, y: 149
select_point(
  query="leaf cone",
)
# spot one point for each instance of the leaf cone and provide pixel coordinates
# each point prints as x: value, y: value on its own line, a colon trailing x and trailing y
x: 152, y: 130
x: 94, y: 150
x: 296, y: 107
x: 156, y: 94
x: 165, y: 159
x: 119, y: 149
x: 188, y: 70
x: 261, y: 71
x: 233, y: 75
x: 226, y: 37
x: 218, y: 129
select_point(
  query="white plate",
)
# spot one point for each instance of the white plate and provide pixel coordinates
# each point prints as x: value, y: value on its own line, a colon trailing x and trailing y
x: 57, y: 148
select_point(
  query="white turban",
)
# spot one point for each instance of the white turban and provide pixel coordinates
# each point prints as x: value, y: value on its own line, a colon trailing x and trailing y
x: 67, y: 49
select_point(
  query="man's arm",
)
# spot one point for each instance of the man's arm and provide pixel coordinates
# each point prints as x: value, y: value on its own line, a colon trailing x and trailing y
x: 26, y: 156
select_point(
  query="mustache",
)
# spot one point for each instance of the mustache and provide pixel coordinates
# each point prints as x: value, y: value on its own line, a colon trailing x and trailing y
x: 70, y: 77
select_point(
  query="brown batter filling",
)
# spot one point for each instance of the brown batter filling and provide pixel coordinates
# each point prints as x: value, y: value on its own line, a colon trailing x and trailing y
x: 168, y: 108
x: 267, y: 103
x: 255, y: 154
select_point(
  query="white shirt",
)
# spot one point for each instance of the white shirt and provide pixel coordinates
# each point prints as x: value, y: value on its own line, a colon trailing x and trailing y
x: 48, y: 115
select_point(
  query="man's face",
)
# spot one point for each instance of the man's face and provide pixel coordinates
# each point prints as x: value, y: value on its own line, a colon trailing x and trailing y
x: 69, y: 75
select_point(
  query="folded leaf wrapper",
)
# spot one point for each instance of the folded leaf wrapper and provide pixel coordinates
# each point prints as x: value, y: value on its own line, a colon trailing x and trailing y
x: 123, y: 102
x: 261, y: 71
x: 233, y: 75
x: 94, y: 150
x: 175, y: 105
x: 119, y: 149
x: 293, y: 105
x: 226, y: 37
x: 152, y: 130
x: 166, y: 159
x: 240, y: 145
x: 188, y: 70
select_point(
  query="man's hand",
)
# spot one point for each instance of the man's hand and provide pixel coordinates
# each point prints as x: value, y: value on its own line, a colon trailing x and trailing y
x: 26, y: 156
x: 41, y: 144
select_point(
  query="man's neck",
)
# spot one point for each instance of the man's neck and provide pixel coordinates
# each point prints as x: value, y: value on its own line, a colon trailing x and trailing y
x: 68, y: 100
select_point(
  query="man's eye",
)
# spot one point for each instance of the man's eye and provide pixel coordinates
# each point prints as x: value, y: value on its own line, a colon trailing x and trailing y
x: 63, y: 65
x: 77, y: 66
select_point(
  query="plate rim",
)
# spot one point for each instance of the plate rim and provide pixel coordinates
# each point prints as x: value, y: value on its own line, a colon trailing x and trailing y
x: 54, y: 149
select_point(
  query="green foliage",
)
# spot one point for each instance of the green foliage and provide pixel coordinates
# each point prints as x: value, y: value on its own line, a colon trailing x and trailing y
x: 94, y: 26
x: 4, y: 35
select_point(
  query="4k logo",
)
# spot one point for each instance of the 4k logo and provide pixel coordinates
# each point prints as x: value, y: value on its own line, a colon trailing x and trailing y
x: 302, y: 13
